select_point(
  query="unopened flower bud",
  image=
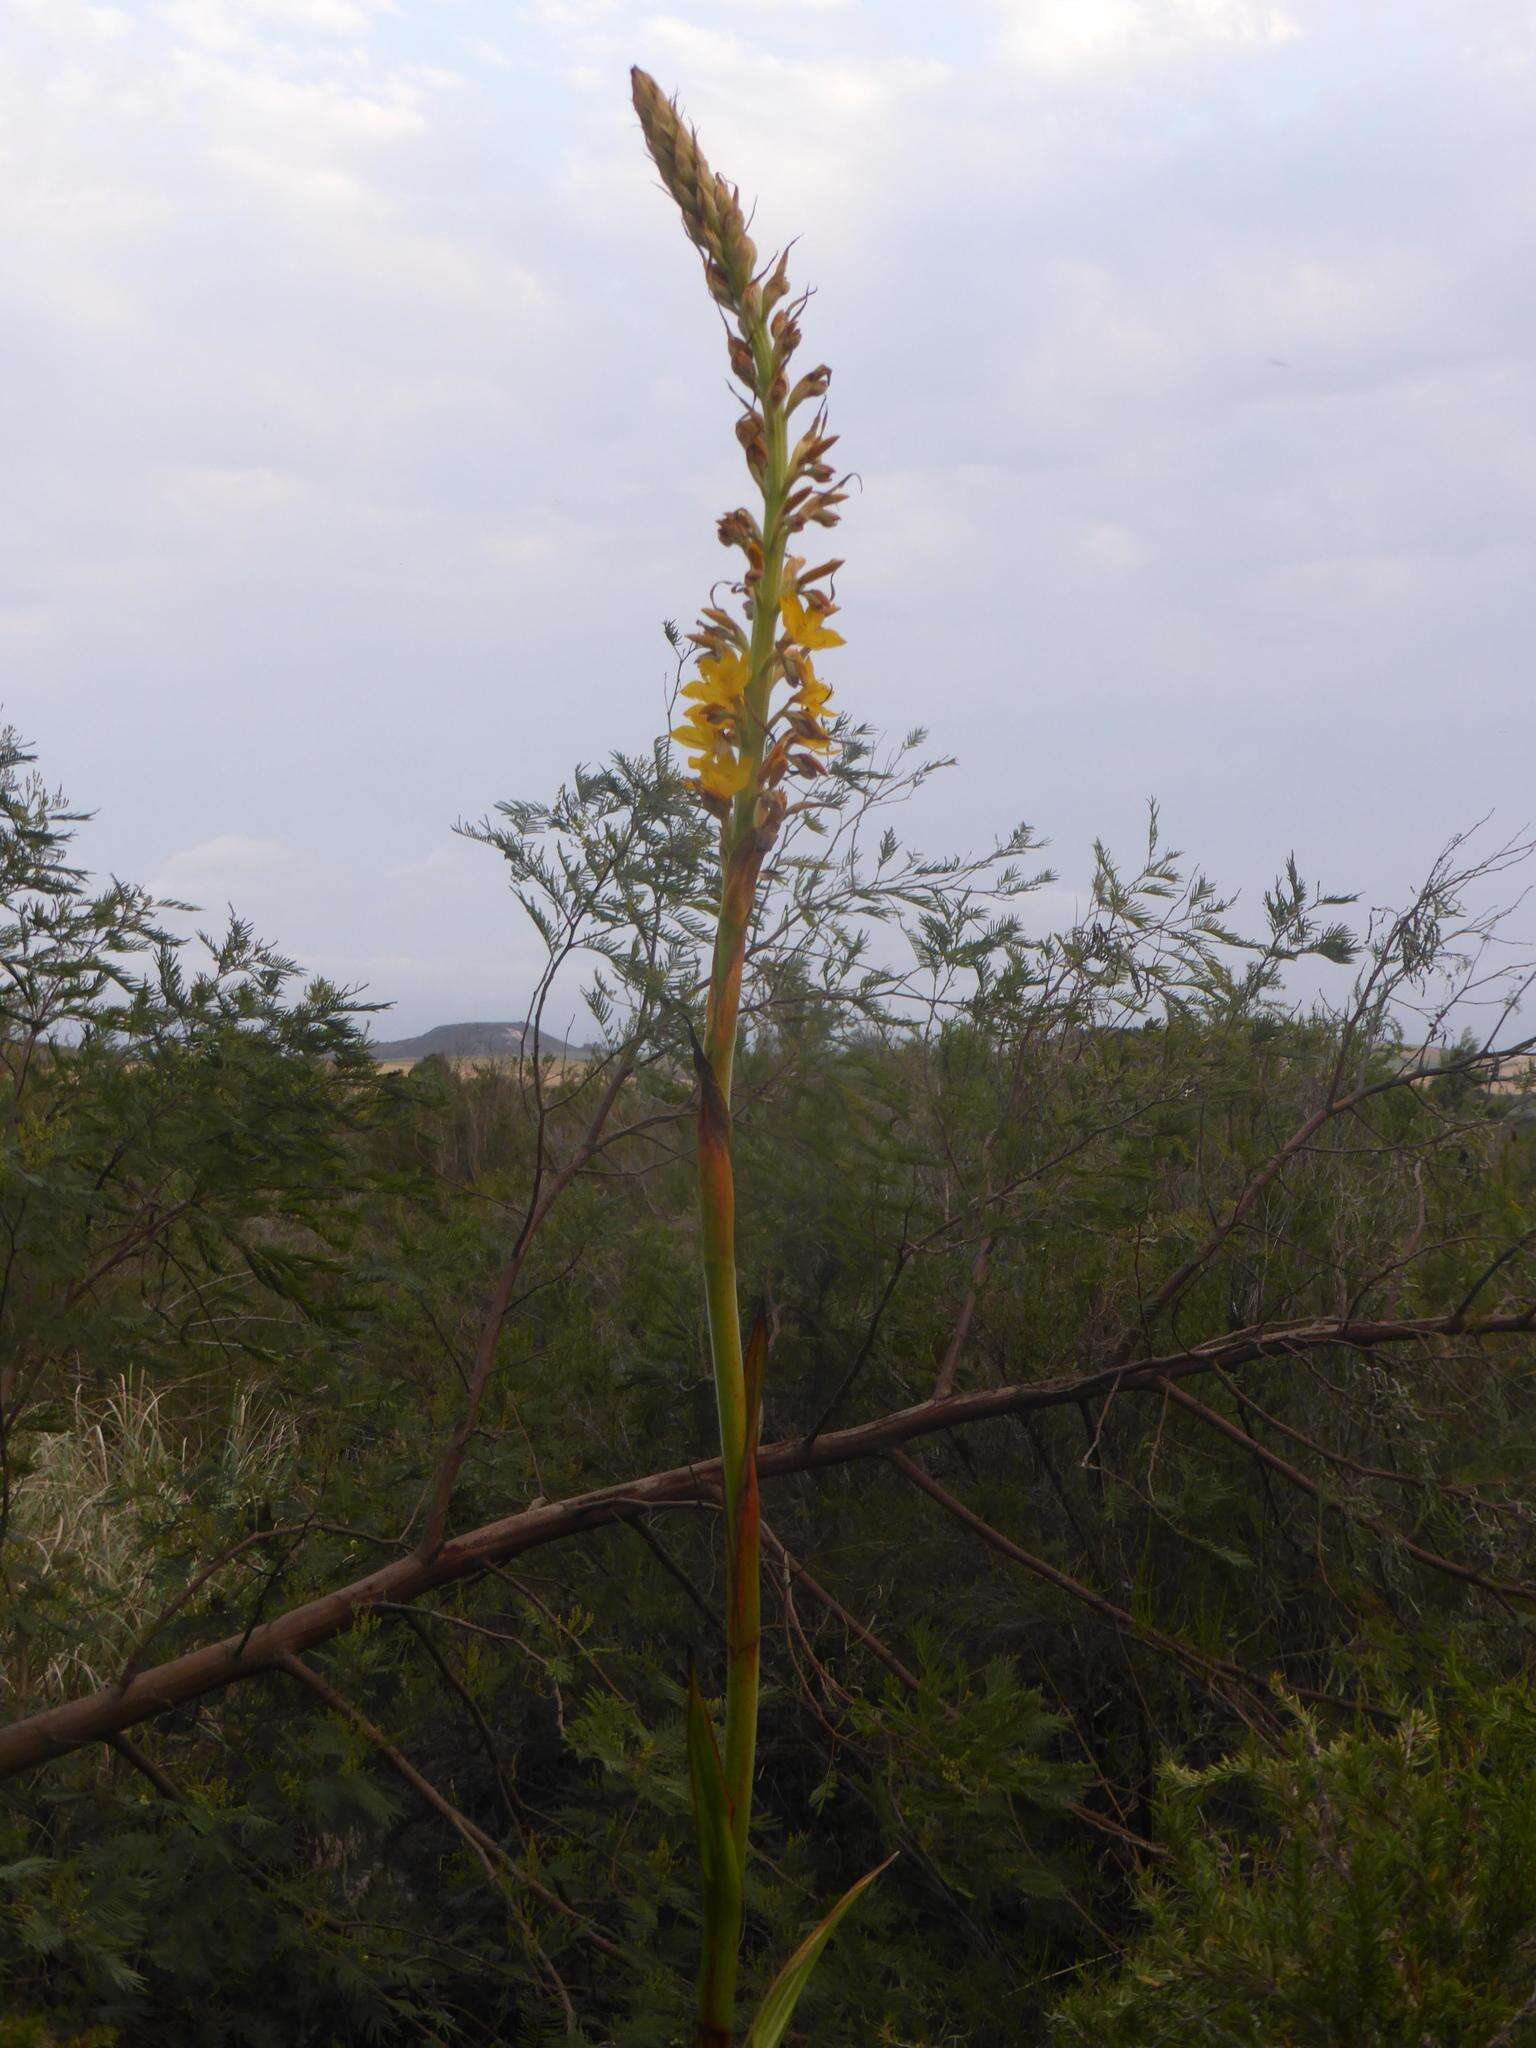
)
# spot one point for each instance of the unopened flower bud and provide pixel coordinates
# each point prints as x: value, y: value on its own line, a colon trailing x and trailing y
x: 815, y: 575
x: 812, y: 385
x: 777, y: 285
x: 768, y: 815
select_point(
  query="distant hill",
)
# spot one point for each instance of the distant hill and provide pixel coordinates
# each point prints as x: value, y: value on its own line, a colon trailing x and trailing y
x: 471, y: 1042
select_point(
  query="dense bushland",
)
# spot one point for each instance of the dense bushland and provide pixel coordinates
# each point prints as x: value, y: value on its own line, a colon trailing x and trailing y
x: 1188, y: 1679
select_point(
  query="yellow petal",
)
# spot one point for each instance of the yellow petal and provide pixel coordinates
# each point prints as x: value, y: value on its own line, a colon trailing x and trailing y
x: 721, y: 679
x: 718, y: 695
x: 807, y: 626
x: 723, y: 774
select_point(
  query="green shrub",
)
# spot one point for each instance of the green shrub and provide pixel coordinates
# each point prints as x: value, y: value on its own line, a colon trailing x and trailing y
x: 1367, y: 1890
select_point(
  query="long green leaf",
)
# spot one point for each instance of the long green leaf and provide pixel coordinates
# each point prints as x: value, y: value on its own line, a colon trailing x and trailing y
x: 778, y: 2008
x: 720, y: 1873
x: 711, y: 1804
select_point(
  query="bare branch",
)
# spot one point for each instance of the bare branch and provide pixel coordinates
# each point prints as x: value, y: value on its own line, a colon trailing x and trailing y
x: 488, y: 1850
x: 92, y: 1718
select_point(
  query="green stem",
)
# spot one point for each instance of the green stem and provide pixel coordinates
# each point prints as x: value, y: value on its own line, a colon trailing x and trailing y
x: 717, y: 1217
x: 737, y: 1400
x: 717, y: 1211
x: 765, y: 613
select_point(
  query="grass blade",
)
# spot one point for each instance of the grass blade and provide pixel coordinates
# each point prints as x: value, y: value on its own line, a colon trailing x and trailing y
x: 778, y: 2008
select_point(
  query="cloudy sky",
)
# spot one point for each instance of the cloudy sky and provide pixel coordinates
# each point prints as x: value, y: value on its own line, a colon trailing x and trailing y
x: 363, y: 416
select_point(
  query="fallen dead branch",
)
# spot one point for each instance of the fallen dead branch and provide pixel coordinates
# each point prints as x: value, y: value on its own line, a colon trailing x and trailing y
x: 98, y: 1716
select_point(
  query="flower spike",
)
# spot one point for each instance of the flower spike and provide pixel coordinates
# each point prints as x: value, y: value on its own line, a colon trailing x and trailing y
x: 741, y: 747
x: 728, y: 731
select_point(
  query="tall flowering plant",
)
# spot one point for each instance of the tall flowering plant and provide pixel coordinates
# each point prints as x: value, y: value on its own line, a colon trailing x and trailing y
x: 753, y: 727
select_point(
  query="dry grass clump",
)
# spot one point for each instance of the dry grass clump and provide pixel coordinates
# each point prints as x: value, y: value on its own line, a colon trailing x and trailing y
x: 90, y: 1515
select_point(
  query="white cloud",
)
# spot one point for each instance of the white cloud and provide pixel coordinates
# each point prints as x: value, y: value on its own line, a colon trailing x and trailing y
x: 1065, y: 36
x: 1107, y: 545
x: 1304, y: 298
x: 918, y: 524
x: 484, y: 51
x: 108, y: 22
x: 550, y: 543
x: 217, y: 869
x: 582, y: 15
x: 1343, y: 582
x: 240, y: 24
x: 307, y: 186
x: 230, y: 493
x: 23, y: 626
x: 1278, y: 316
x: 1402, y: 586
x: 317, y: 113
x: 313, y: 140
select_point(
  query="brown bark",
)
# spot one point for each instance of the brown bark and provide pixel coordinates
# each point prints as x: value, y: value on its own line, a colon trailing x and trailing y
x: 96, y: 1716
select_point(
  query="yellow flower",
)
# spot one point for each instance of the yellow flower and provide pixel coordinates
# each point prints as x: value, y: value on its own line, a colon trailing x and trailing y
x: 723, y: 773
x: 811, y: 693
x: 701, y: 729
x: 722, y: 680
x: 706, y: 733
x: 807, y: 626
